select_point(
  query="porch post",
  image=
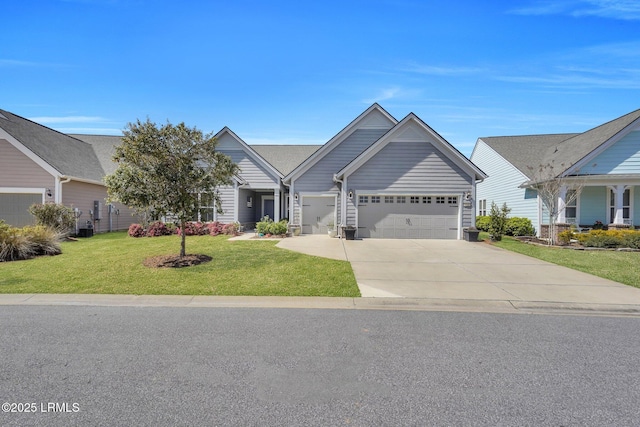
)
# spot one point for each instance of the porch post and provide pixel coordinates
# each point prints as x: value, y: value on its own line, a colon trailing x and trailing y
x: 276, y: 205
x: 562, y: 198
x: 619, y: 196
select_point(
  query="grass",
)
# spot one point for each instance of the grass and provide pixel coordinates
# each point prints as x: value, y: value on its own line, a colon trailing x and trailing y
x: 622, y: 267
x: 111, y: 263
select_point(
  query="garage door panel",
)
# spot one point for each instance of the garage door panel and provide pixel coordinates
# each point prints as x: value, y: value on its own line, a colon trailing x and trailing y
x: 317, y: 212
x: 14, y: 208
x: 408, y: 220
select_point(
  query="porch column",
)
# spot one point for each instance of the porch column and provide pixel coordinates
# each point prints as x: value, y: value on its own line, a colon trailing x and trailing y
x: 236, y: 200
x: 276, y: 205
x: 562, y: 198
x: 619, y: 197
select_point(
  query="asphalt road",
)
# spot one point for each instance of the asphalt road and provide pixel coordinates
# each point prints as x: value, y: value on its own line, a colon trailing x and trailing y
x: 145, y: 366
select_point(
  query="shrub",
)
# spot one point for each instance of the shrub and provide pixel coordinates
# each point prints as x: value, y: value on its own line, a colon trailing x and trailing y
x: 483, y: 222
x: 194, y: 229
x: 565, y: 237
x: 231, y: 229
x: 158, y: 228
x: 598, y: 225
x: 54, y: 215
x: 517, y: 226
x: 278, y: 228
x: 215, y: 228
x: 14, y: 245
x: 136, y: 230
x: 498, y: 221
x: 632, y: 240
x: 46, y: 240
x: 263, y: 227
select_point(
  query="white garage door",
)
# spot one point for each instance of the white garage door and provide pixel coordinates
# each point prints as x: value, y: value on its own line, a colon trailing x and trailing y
x: 317, y: 213
x: 408, y: 217
x: 14, y: 208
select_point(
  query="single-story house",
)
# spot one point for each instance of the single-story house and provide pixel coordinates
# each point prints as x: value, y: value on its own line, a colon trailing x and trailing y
x: 384, y: 177
x: 600, y: 167
x: 39, y: 165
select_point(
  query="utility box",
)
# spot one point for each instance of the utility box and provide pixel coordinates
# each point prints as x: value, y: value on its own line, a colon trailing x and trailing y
x: 97, y: 209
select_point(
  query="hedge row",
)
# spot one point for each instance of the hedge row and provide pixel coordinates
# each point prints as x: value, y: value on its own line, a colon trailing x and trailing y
x: 516, y: 226
x: 603, y: 238
x: 159, y: 228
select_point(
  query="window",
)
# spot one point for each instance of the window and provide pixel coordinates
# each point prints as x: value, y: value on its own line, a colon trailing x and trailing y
x: 414, y: 199
x: 388, y: 199
x: 375, y: 199
x: 401, y: 199
x: 440, y: 200
x: 452, y: 200
x: 571, y: 207
x: 426, y: 199
x: 482, y: 207
x: 363, y: 199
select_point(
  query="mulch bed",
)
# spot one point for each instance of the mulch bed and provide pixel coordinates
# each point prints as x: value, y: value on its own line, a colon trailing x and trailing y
x: 175, y: 261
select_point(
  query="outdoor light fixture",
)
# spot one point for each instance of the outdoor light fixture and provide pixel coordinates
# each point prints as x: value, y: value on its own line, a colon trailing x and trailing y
x: 467, y: 195
x: 350, y: 194
x: 295, y: 196
x: 49, y: 194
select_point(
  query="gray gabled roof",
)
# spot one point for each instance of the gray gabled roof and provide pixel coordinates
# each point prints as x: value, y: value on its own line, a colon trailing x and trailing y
x: 561, y: 150
x: 69, y: 156
x: 571, y: 151
x: 104, y: 147
x: 526, y: 150
x: 285, y: 158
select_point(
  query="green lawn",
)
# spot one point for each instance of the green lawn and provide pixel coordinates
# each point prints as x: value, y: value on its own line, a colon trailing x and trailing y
x: 622, y: 267
x: 111, y: 263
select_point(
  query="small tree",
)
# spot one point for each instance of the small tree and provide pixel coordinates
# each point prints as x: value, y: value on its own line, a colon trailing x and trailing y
x: 498, y: 221
x: 168, y: 170
x: 549, y: 182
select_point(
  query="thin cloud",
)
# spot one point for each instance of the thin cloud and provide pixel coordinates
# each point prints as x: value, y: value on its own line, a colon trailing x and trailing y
x: 628, y: 10
x: 89, y: 131
x: 17, y: 63
x: 67, y: 119
x: 392, y: 93
x: 433, y: 70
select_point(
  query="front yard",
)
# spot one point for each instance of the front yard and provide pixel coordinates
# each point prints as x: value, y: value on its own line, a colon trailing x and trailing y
x: 622, y: 267
x: 111, y: 263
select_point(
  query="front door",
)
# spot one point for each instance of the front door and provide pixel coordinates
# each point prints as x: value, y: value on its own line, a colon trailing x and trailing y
x: 267, y: 207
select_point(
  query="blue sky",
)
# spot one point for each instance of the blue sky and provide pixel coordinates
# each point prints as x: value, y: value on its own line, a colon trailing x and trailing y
x: 296, y: 72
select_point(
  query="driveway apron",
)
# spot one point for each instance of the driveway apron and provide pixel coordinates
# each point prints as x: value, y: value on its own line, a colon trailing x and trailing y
x: 460, y: 270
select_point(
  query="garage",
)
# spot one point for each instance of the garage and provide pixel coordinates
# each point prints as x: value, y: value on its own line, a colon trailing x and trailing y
x: 14, y: 208
x: 408, y: 217
x: 317, y: 213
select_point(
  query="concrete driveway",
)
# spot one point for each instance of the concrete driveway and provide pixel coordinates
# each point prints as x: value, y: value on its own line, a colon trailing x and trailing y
x: 459, y: 270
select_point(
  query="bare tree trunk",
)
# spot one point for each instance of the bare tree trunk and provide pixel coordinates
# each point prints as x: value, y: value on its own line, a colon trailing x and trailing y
x: 183, y: 238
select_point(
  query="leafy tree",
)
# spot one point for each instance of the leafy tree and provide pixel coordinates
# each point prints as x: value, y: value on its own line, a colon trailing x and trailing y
x: 168, y: 170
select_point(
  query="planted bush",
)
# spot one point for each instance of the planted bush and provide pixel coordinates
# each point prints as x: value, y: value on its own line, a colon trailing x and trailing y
x: 483, y: 222
x: 215, y: 228
x: 159, y: 228
x: 14, y: 245
x: 54, y: 215
x: 517, y: 226
x: 136, y: 230
x: 46, y: 240
x: 231, y: 229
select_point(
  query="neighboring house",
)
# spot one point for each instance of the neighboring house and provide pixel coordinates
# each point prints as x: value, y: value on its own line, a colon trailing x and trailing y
x: 386, y: 178
x: 603, y: 164
x: 39, y: 165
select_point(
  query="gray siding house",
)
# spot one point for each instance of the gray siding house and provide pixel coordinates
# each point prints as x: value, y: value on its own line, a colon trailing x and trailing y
x: 387, y: 178
x: 601, y: 164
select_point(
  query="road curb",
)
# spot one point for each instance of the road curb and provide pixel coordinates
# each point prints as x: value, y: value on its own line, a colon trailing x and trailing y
x: 398, y: 304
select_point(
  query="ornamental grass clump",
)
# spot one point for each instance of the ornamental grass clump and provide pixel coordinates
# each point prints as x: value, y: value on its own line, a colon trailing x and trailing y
x: 46, y: 240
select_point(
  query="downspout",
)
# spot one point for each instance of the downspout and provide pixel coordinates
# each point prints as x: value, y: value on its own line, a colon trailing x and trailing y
x: 58, y: 197
x: 342, y: 204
